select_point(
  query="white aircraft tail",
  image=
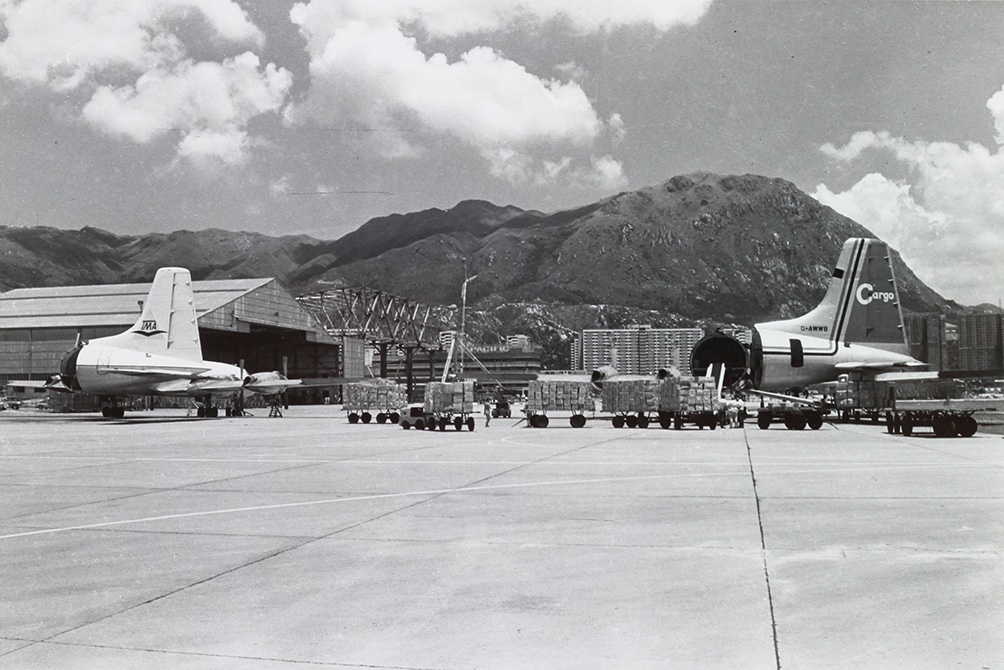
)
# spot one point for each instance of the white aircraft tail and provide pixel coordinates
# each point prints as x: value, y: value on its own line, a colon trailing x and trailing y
x: 861, y: 304
x: 168, y: 323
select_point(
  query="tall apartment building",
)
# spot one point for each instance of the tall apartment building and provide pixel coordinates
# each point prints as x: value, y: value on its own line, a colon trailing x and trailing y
x: 635, y: 350
x: 981, y: 342
x: 968, y: 342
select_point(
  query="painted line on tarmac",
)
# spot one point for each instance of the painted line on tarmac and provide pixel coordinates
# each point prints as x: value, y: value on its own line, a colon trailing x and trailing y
x: 330, y: 501
x: 461, y: 489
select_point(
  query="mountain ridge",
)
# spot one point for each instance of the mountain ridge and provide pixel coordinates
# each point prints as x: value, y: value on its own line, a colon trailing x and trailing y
x: 732, y: 248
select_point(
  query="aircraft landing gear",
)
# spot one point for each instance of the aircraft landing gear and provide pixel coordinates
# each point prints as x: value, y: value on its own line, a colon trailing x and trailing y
x: 110, y: 408
x: 205, y: 408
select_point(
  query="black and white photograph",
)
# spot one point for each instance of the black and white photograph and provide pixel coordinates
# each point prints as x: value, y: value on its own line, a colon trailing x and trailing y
x: 509, y: 335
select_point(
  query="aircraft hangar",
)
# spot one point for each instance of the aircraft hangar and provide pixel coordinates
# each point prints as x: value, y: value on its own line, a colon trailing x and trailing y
x: 251, y: 320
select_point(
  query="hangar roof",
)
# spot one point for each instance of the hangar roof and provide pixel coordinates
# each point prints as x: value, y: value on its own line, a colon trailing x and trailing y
x: 247, y: 301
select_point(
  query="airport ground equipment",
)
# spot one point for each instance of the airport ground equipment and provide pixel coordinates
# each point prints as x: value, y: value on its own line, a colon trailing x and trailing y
x: 412, y: 416
x: 794, y: 416
x: 502, y: 409
x: 557, y: 395
x: 449, y: 403
x: 379, y: 398
x: 633, y: 402
x: 693, y: 400
x: 907, y: 404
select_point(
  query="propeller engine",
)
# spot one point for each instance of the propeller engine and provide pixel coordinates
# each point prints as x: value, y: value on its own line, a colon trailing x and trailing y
x: 267, y: 383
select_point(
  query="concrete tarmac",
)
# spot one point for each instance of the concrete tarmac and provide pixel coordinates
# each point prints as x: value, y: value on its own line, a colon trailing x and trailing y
x: 164, y: 542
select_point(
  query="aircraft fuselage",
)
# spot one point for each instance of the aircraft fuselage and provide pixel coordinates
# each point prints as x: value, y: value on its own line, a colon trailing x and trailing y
x: 106, y: 370
x: 792, y: 362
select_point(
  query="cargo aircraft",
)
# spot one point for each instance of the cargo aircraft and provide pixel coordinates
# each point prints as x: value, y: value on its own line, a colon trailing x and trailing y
x: 857, y: 328
x: 161, y: 355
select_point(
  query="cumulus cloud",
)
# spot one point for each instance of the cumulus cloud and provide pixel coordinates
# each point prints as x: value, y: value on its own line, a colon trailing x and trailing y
x: 946, y: 218
x: 366, y: 68
x: 209, y: 103
x: 131, y: 58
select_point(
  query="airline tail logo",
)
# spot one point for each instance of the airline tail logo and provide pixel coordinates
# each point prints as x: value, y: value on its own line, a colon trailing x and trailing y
x: 867, y: 293
x: 149, y: 328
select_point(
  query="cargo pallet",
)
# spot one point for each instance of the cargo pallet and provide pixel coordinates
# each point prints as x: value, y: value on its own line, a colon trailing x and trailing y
x: 557, y: 395
x: 381, y: 397
x: 634, y: 403
x: 910, y: 404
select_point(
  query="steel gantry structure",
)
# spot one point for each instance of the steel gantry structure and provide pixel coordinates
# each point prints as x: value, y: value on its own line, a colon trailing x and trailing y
x: 380, y: 319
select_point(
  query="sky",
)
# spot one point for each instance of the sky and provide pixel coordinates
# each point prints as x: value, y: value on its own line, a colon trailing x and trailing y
x: 312, y: 117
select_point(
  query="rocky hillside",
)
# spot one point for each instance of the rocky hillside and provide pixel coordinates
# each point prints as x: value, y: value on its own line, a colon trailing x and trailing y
x: 733, y: 249
x: 53, y: 257
x: 737, y: 249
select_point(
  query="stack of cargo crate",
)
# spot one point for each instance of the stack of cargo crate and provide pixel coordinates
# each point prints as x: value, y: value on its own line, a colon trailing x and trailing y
x: 858, y: 394
x: 631, y: 396
x: 920, y: 389
x: 871, y: 394
x: 688, y: 395
x: 449, y: 397
x: 546, y: 395
x: 374, y: 394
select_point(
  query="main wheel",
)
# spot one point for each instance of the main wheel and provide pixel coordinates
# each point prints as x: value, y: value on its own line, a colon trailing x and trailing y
x: 815, y: 421
x: 631, y: 420
x: 366, y: 417
x: 394, y: 417
x: 906, y: 425
x: 944, y: 426
x: 763, y: 419
x: 967, y: 425
x: 618, y: 421
x: 794, y: 422
x: 419, y: 425
x: 470, y: 423
x: 458, y: 423
x: 381, y: 417
x: 577, y: 421
x: 432, y: 423
x: 642, y: 421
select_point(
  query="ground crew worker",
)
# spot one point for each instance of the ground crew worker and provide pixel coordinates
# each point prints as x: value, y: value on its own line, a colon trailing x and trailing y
x: 488, y: 413
x: 733, y: 411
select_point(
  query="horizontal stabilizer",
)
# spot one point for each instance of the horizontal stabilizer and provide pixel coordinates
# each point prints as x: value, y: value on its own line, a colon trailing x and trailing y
x: 851, y: 366
x: 56, y: 384
x: 908, y: 376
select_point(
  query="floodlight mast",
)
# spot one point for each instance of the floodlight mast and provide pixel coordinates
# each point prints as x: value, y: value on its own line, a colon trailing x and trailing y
x: 463, y: 321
